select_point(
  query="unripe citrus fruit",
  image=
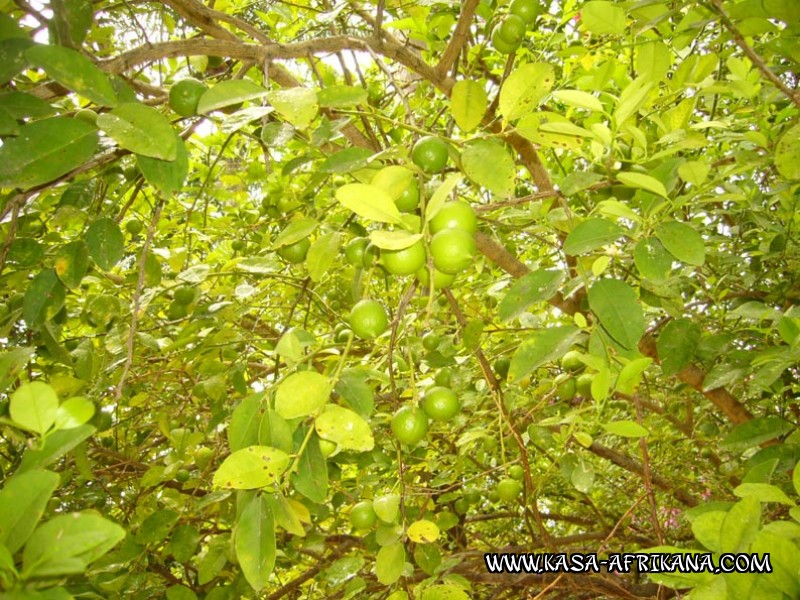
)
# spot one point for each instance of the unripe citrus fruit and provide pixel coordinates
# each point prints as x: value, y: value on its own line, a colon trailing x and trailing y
x: 409, y: 425
x: 182, y: 476
x: 430, y: 154
x: 134, y: 227
x: 368, y: 319
x: 362, y: 515
x: 184, y: 295
x: 500, y: 44
x: 354, y: 251
x: 440, y: 403
x: 454, y: 215
x: 238, y: 245
x: 400, y: 184
x: 584, y: 385
x: 516, y: 472
x: 443, y: 377
x: 508, y: 490
x: 512, y: 29
x: 453, y: 250
x: 430, y: 341
x: 571, y: 361
x: 501, y: 366
x: 87, y: 114
x: 565, y: 391
x: 405, y: 261
x: 295, y: 253
x: 527, y: 9
x: 440, y: 280
x: 184, y: 96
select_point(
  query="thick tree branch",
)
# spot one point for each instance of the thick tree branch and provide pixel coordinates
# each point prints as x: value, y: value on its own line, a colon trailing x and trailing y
x: 629, y: 464
x: 459, y: 37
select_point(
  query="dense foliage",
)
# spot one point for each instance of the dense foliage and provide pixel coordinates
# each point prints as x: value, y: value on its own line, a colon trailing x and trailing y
x: 326, y: 300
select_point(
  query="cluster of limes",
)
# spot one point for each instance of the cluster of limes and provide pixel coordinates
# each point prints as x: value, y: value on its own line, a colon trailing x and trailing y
x: 576, y: 382
x: 181, y: 299
x: 410, y: 422
x: 510, y: 31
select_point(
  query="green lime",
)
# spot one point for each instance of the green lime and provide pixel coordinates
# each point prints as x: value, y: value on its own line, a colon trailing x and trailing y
x: 453, y: 250
x: 368, y: 319
x: 295, y: 253
x: 440, y: 403
x: 409, y: 425
x: 454, y: 215
x: 184, y: 96
x: 430, y: 154
x: 406, y: 260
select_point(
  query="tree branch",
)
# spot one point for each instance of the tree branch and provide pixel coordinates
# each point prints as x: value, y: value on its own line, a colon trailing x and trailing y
x: 459, y: 38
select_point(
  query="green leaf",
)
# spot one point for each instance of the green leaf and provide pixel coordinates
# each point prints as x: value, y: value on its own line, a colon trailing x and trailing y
x: 251, y: 468
x: 44, y: 298
x: 393, y: 240
x: 34, y: 406
x: 677, y: 345
x: 369, y: 202
x: 763, y: 492
x: 254, y: 541
x: 140, y: 129
x: 245, y: 421
x: 643, y: 182
x: 45, y: 150
x: 387, y: 507
x: 653, y: 60
x: 536, y: 286
x: 591, y: 234
x: 354, y: 390
x: 631, y: 375
x: 156, y: 527
x: 302, y: 394
x: 245, y: 116
x: 8, y: 125
x: 106, y: 243
x: 603, y: 18
x: 540, y: 347
x: 695, y: 172
x: 618, y: 309
x: 275, y: 431
x: 632, y: 99
x: 180, y: 592
x: 56, y: 445
x: 311, y: 478
x: 578, y: 181
x: 74, y: 71
x: 12, y: 57
x: 444, y: 592
x: 628, y: 429
x: 523, y: 90
x: 67, y: 544
x: 389, y: 563
x: 295, y: 231
x: 74, y: 412
x: 440, y: 196
x: 25, y: 106
x: 71, y: 263
x: 782, y: 553
x: 754, y: 432
x: 183, y: 543
x: 652, y: 259
x: 11, y: 364
x: 346, y: 161
x: 23, y: 501
x: 321, y: 255
x: 489, y: 164
x: 167, y: 176
x: 796, y: 478
x: 298, y: 105
x: 706, y: 528
x: 578, y: 99
x: 468, y: 103
x: 341, y: 96
x: 787, y: 153
x: 344, y: 427
x: 582, y: 477
x: 740, y: 525
x: 228, y: 93
x: 683, y: 242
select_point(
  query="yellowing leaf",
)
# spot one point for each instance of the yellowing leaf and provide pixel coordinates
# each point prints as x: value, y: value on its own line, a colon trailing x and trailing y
x: 423, y: 532
x: 468, y: 102
x: 251, y: 468
x: 524, y: 89
x: 369, y: 202
x: 301, y: 394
